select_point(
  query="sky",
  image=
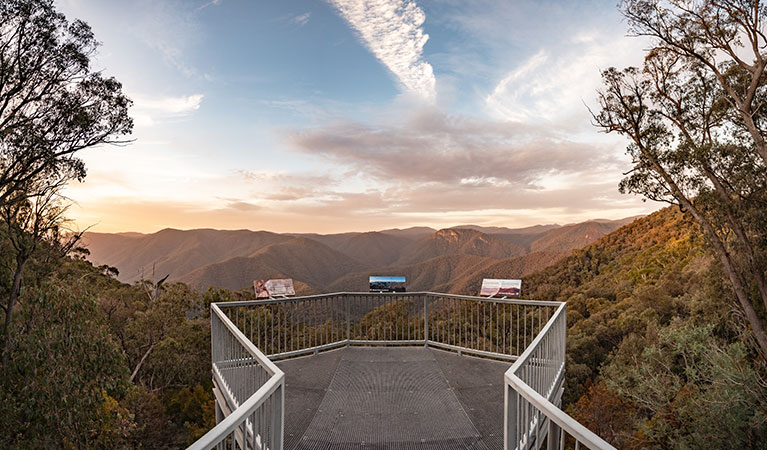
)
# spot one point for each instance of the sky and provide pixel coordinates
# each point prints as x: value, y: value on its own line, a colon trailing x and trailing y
x: 355, y: 115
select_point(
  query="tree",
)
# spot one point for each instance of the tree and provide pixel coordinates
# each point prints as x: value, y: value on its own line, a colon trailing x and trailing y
x: 52, y: 105
x: 66, y: 371
x: 26, y: 226
x: 696, y: 116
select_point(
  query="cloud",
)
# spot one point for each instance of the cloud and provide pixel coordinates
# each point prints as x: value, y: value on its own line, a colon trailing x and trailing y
x: 391, y: 29
x: 438, y: 205
x: 553, y: 84
x: 242, y: 206
x: 439, y: 169
x: 149, y: 110
x: 431, y: 146
x: 562, y: 69
x: 506, y: 92
x: 210, y: 3
x: 286, y: 186
x: 302, y: 19
x: 171, y: 28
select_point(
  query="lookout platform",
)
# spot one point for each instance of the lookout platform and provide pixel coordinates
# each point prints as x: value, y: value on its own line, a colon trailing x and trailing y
x: 393, y: 398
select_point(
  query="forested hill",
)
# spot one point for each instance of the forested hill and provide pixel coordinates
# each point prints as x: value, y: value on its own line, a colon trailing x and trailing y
x: 653, y: 345
x: 320, y: 263
x: 653, y: 348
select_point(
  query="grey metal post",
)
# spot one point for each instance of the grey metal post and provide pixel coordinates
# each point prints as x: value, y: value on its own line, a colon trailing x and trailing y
x: 280, y: 417
x: 510, y: 418
x: 214, y: 338
x: 219, y: 413
x: 426, y: 320
x: 348, y: 319
x: 552, y: 441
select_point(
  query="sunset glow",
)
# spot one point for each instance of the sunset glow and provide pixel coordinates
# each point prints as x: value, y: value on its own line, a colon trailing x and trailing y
x: 336, y: 116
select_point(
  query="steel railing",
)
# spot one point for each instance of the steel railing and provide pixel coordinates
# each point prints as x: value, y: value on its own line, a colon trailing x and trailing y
x: 533, y: 395
x: 529, y: 333
x: 249, y: 391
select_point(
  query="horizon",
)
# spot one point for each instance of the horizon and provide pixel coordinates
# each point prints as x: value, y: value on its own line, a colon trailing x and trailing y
x: 339, y: 115
x: 379, y: 230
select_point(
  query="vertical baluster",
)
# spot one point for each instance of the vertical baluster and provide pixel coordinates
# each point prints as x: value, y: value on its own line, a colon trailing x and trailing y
x: 484, y: 326
x: 278, y: 326
x: 461, y: 322
x: 325, y: 322
x: 541, y: 323
x: 453, y: 322
x: 381, y: 306
x: 476, y: 331
x: 562, y: 437
x: 337, y: 314
x: 441, y: 318
x: 504, y: 307
x: 382, y: 312
x: 288, y: 322
x: 524, y: 321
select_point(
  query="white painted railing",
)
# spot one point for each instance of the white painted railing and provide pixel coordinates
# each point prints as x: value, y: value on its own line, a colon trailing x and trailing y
x: 534, y: 387
x: 250, y: 388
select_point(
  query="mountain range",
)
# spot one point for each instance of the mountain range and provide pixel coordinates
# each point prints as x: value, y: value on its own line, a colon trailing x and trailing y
x: 448, y: 260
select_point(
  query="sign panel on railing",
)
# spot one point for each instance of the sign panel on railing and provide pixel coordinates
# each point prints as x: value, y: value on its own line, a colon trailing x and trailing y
x: 387, y: 284
x: 500, y: 288
x: 282, y: 287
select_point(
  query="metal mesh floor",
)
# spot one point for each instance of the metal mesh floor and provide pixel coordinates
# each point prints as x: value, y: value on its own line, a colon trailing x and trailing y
x: 404, y: 398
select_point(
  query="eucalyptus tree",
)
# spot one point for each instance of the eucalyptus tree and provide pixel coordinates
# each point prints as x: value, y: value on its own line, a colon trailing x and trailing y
x: 696, y: 118
x: 52, y: 103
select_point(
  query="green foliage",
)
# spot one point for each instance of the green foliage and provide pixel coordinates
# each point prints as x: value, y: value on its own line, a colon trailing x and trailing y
x: 194, y: 408
x: 655, y: 356
x: 690, y: 390
x: 64, y: 373
x: 694, y: 120
x: 80, y: 336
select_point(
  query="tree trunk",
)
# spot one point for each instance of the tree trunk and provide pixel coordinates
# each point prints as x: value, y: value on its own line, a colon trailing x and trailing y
x: 733, y: 274
x: 735, y: 277
x: 15, y: 290
x: 143, y: 358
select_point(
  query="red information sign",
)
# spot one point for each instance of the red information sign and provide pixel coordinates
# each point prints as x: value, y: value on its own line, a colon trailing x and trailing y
x: 274, y: 288
x: 501, y: 288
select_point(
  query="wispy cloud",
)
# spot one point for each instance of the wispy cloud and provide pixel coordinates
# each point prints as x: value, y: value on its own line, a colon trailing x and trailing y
x: 149, y: 110
x: 302, y: 19
x: 391, y: 29
x: 507, y: 91
x: 553, y: 84
x: 171, y: 28
x: 210, y: 3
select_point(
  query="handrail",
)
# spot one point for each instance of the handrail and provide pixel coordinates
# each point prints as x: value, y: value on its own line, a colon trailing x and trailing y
x: 561, y: 418
x: 525, y: 356
x: 268, y: 364
x: 491, y: 327
x: 243, y: 424
x: 235, y: 419
x: 269, y: 301
x: 543, y: 404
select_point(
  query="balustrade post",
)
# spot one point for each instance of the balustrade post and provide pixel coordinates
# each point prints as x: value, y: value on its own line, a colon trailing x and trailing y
x: 511, y: 400
x: 280, y: 417
x: 219, y: 413
x: 425, y: 320
x: 552, y: 441
x: 348, y: 319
